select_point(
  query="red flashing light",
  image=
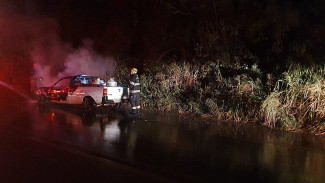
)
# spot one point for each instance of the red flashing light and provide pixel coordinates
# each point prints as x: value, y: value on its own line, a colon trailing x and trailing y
x: 104, y: 92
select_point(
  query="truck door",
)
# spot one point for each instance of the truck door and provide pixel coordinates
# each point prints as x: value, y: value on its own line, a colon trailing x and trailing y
x: 59, y: 91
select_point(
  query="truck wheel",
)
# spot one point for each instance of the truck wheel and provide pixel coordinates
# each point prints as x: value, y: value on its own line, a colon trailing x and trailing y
x: 89, y: 105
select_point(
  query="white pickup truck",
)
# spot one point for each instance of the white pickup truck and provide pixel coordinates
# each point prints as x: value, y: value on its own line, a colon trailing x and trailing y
x: 85, y: 90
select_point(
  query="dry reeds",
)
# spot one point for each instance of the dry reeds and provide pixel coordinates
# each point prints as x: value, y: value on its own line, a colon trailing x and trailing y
x: 298, y: 99
x: 203, y: 90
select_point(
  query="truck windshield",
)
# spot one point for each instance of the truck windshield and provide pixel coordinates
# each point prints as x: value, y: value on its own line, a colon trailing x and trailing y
x: 87, y: 81
x: 63, y: 83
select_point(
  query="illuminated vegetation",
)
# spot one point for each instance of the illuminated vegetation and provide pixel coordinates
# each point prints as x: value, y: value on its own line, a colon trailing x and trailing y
x: 204, y: 90
x: 298, y: 99
x: 223, y: 59
x: 295, y: 100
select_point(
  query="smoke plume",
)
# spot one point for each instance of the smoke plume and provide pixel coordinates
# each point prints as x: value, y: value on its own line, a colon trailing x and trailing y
x: 31, y: 48
x: 86, y: 61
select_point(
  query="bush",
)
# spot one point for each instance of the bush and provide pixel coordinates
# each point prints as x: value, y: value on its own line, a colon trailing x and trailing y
x: 234, y: 92
x: 202, y: 89
x: 298, y: 99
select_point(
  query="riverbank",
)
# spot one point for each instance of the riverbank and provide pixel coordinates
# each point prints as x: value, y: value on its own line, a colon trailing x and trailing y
x: 292, y: 100
x: 186, y: 148
x: 248, y: 132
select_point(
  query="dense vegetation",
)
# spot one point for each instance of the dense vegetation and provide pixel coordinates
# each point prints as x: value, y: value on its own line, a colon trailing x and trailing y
x: 295, y: 100
x: 247, y: 60
x: 240, y: 60
x: 298, y: 99
x: 270, y: 33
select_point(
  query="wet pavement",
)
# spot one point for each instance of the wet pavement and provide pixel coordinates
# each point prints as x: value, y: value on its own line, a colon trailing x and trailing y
x: 63, y: 144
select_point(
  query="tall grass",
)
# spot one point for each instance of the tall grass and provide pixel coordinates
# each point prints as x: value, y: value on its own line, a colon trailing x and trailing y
x: 230, y: 92
x: 203, y: 90
x: 298, y: 99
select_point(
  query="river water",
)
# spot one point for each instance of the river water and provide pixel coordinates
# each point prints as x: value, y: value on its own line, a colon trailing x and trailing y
x: 181, y: 148
x: 188, y: 148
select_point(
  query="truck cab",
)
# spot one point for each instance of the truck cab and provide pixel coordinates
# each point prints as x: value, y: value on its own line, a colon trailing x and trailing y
x: 86, y: 90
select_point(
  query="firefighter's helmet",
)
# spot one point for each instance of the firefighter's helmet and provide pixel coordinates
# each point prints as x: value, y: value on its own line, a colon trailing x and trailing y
x: 134, y: 70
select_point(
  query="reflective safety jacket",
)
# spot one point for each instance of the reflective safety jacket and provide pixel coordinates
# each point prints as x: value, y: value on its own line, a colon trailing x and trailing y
x: 134, y: 84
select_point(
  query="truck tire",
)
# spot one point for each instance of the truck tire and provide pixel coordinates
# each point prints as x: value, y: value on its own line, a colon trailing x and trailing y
x: 89, y: 105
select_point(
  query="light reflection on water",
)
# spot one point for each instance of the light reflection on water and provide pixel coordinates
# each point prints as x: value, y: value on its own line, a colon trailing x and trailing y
x: 112, y: 131
x: 177, y: 146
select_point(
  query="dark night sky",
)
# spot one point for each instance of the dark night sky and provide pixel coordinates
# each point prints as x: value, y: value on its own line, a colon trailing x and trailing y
x: 77, y: 18
x: 148, y: 33
x: 143, y: 29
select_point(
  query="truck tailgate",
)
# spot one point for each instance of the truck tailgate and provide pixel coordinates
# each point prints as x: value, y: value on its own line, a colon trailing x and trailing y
x: 114, y: 94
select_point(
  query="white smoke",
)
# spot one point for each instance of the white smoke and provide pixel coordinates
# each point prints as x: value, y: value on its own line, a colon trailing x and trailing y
x: 86, y: 61
x: 42, y: 74
x: 35, y: 40
x: 83, y: 61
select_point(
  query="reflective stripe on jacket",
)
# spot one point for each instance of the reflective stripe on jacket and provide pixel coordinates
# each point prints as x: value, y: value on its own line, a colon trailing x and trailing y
x: 134, y: 84
x: 135, y: 91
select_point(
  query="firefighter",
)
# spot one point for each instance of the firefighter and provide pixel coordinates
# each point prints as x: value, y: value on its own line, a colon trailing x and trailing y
x: 135, y: 91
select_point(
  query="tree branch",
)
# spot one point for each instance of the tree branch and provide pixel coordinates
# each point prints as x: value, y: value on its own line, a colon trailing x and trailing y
x: 174, y: 9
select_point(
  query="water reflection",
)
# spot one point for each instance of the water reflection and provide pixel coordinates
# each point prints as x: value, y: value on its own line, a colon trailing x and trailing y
x: 103, y: 133
x: 111, y: 130
x: 174, y: 146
